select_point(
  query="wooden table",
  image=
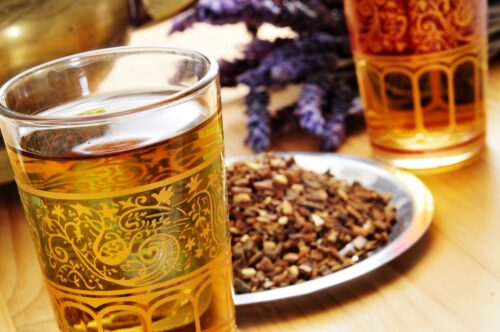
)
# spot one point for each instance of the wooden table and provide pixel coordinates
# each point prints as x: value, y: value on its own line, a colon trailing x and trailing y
x: 449, y: 281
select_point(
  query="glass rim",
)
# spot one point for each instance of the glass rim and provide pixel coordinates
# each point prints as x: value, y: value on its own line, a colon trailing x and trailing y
x: 176, y: 97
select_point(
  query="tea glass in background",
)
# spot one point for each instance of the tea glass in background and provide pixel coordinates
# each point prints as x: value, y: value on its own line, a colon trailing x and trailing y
x: 118, y: 157
x: 421, y: 68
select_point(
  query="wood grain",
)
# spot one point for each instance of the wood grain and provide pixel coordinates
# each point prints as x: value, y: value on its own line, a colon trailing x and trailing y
x: 449, y: 281
x: 6, y: 323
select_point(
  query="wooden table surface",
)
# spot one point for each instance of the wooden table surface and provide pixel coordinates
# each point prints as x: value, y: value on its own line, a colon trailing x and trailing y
x: 449, y: 281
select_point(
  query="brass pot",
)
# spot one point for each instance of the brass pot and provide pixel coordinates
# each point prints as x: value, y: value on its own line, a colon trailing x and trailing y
x: 36, y: 31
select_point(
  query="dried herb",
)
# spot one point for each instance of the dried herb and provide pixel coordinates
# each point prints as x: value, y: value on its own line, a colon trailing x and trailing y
x: 289, y: 225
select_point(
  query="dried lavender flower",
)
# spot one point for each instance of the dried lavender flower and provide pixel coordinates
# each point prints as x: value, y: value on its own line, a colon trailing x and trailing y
x: 319, y: 57
x: 345, y: 102
x: 354, y: 115
x: 257, y: 49
x: 230, y: 70
x: 294, y: 61
x: 258, y: 126
x: 309, y: 15
x: 333, y: 134
x: 309, y: 107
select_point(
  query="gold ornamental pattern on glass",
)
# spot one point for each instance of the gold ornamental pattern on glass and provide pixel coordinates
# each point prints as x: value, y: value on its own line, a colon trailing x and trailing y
x: 427, y: 87
x: 415, y: 26
x: 168, y: 305
x: 158, y: 234
x: 105, y: 177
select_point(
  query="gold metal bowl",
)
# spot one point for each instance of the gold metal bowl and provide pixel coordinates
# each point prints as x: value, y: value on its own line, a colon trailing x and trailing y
x: 32, y: 32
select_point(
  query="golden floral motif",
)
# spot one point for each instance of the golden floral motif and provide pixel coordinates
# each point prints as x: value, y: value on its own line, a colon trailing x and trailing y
x: 110, y: 173
x: 381, y: 25
x: 442, y: 25
x: 414, y: 26
x: 132, y: 240
x: 187, y: 297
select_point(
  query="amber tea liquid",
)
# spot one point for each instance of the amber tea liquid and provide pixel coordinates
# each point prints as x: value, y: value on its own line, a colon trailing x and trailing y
x: 427, y: 121
x: 129, y: 219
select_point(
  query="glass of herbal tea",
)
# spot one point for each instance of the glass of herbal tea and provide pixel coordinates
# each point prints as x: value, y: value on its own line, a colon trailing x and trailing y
x: 118, y: 157
x: 421, y: 68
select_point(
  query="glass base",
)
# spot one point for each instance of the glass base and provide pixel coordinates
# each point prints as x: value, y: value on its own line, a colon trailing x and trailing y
x: 432, y: 161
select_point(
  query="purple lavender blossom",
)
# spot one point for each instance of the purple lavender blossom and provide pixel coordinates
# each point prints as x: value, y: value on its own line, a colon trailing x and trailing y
x: 184, y: 21
x: 294, y: 62
x: 319, y: 57
x: 300, y: 15
x: 345, y: 106
x: 230, y: 70
x: 356, y: 108
x: 257, y: 49
x: 334, y: 132
x: 258, y: 126
x: 354, y: 115
x: 309, y: 108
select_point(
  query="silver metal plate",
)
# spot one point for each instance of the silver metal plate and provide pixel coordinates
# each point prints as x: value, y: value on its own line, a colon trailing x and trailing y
x: 412, y: 199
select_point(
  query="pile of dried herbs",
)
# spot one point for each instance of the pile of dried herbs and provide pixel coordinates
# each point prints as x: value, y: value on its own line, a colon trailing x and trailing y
x: 289, y: 225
